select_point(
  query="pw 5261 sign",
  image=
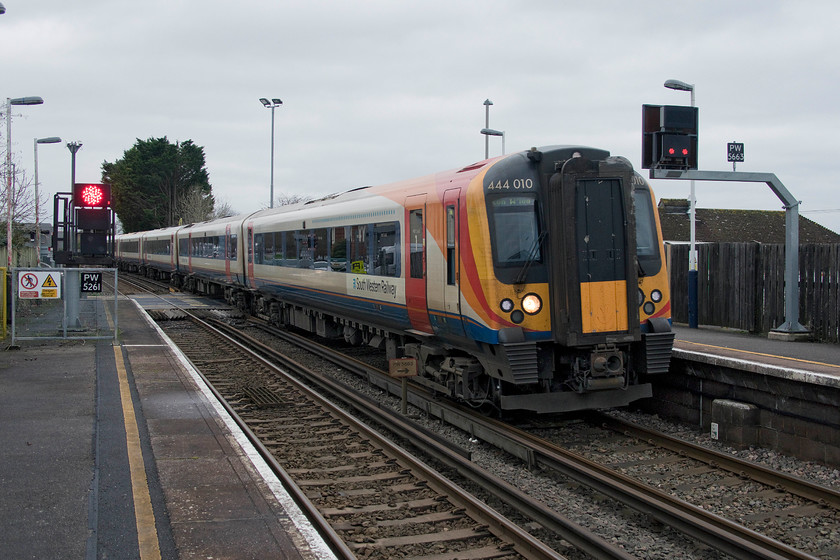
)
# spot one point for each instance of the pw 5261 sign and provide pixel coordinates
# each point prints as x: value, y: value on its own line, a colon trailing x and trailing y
x: 91, y: 282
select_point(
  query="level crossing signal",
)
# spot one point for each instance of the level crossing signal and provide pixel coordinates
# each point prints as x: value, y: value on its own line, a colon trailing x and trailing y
x: 669, y: 137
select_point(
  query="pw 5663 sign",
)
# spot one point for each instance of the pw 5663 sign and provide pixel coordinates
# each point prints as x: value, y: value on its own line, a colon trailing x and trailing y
x: 91, y: 282
x: 735, y: 151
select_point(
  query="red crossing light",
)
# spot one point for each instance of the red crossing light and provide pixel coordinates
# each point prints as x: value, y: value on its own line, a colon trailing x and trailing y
x: 91, y: 195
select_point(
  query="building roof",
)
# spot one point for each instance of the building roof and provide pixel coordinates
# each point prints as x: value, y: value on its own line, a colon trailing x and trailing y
x: 717, y: 225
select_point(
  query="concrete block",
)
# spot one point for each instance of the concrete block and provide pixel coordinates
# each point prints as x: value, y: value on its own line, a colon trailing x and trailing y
x: 735, y: 422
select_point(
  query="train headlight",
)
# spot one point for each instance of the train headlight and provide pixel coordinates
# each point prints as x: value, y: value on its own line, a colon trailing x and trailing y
x: 656, y: 296
x: 531, y: 304
x: 649, y: 308
x: 506, y: 305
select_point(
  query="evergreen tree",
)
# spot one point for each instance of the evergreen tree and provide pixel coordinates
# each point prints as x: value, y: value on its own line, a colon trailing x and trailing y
x: 153, y: 181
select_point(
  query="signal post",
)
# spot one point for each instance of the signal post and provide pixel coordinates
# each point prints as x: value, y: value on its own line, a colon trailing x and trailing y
x: 669, y: 150
x: 84, y: 230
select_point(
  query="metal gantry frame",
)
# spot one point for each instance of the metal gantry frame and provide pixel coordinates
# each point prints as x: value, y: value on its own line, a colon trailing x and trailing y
x: 791, y: 205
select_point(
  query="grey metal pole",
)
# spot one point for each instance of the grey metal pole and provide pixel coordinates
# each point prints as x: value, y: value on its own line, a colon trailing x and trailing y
x: 72, y: 280
x: 271, y: 203
x: 9, y: 184
x: 791, y: 325
x: 487, y: 104
x: 693, y: 311
x: 37, y: 216
x: 273, y: 104
x: 9, y: 102
x: 50, y: 140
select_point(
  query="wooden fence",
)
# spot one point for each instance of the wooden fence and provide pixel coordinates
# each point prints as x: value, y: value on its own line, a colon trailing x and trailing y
x: 741, y: 286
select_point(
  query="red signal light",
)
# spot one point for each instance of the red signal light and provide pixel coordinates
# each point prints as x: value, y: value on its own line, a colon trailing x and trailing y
x: 91, y: 195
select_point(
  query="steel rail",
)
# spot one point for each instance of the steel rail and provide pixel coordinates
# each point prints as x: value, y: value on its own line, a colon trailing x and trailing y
x: 333, y: 540
x: 506, y: 530
x: 793, y: 484
x: 579, y: 536
x: 713, y: 530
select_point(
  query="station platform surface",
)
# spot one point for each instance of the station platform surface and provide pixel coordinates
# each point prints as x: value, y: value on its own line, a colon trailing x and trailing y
x: 785, y: 357
x: 115, y: 451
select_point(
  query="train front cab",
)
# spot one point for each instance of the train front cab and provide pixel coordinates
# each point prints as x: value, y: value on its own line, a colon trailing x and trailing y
x: 595, y: 280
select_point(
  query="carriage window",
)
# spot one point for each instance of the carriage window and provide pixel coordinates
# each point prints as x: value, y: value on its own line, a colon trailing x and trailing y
x: 386, y: 254
x: 338, y: 248
x: 359, y: 262
x: 268, y: 247
x: 232, y: 246
x: 515, y: 222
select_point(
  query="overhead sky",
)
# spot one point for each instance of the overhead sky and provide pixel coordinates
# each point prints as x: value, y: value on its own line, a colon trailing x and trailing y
x: 383, y: 90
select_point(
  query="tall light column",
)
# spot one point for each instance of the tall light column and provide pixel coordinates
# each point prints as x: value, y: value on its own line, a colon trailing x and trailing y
x: 273, y: 104
x: 72, y: 279
x: 48, y: 140
x: 9, y: 212
x: 692, y: 205
x: 487, y: 104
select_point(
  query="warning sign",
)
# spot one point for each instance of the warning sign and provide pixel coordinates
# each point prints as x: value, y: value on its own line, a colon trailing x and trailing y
x: 39, y: 285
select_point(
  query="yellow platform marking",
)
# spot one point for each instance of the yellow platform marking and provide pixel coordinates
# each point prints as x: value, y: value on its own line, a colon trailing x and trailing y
x: 761, y: 354
x: 143, y: 512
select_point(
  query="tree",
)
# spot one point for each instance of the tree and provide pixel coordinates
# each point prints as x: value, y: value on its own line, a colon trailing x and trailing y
x: 159, y: 184
x: 23, y: 207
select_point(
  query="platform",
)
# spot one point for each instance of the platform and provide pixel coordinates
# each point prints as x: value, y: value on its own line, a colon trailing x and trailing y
x: 117, y: 452
x: 782, y: 358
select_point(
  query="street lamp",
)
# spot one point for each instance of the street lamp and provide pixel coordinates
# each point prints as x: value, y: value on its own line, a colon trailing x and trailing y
x: 2, y: 9
x: 48, y: 140
x: 9, y: 103
x: 487, y: 104
x: 491, y: 132
x: 273, y: 104
x: 692, y: 205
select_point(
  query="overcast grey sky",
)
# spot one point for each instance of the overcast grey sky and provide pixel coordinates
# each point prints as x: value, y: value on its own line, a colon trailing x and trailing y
x: 379, y: 91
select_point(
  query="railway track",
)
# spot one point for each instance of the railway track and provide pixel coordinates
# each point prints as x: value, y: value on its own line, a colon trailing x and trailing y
x: 378, y: 501
x: 135, y: 284
x: 757, y: 535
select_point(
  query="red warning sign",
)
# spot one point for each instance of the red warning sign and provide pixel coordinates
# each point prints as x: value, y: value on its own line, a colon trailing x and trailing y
x: 39, y: 285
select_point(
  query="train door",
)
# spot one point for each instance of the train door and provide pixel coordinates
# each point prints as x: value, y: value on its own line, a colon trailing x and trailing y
x: 594, y: 274
x: 601, y: 248
x: 415, y: 278
x: 228, y: 253
x: 249, y: 241
x: 452, y: 275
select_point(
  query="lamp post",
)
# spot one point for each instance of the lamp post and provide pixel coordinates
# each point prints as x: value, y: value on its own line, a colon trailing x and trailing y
x: 692, y: 205
x: 48, y: 140
x: 72, y: 279
x: 491, y: 132
x: 273, y: 104
x: 487, y: 104
x: 9, y: 214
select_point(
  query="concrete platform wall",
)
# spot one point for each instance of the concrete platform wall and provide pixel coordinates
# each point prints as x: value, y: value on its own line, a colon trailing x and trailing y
x: 794, y: 414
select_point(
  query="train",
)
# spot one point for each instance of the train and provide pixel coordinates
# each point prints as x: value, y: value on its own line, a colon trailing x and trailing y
x: 534, y: 281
